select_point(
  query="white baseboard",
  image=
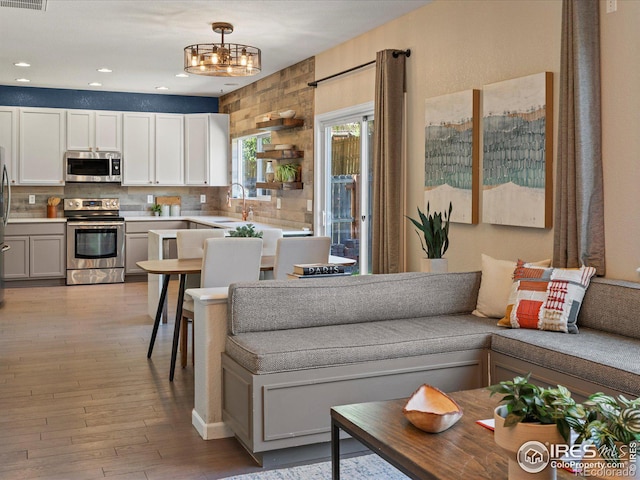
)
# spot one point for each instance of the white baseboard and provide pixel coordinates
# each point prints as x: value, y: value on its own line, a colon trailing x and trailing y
x: 210, y: 431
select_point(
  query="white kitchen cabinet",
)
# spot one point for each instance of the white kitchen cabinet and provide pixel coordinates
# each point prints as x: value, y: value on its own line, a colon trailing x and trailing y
x: 153, y: 149
x: 41, y: 146
x: 94, y: 130
x: 9, y: 140
x: 169, y: 147
x: 138, y: 148
x: 135, y: 247
x: 206, y: 149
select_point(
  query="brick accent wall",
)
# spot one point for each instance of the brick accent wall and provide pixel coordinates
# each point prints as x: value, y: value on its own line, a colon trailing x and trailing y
x: 284, y: 90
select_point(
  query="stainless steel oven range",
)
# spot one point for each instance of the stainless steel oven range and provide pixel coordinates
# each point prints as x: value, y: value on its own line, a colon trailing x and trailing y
x: 95, y: 241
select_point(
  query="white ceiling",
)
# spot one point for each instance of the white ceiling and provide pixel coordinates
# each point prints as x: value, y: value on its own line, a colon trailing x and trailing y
x: 142, y: 41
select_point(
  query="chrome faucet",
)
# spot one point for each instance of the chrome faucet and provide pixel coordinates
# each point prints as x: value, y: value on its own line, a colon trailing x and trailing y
x: 244, y: 200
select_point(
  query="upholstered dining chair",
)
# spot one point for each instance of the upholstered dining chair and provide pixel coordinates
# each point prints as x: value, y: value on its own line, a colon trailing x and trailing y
x: 293, y: 250
x: 225, y: 261
x: 190, y: 244
x: 270, y: 238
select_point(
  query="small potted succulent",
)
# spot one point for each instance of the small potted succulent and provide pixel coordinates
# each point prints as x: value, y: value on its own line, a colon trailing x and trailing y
x: 433, y: 233
x: 156, y: 209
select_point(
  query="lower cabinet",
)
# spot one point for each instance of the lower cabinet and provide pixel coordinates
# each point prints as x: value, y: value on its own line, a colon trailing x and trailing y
x: 136, y: 240
x: 37, y: 251
x: 135, y: 246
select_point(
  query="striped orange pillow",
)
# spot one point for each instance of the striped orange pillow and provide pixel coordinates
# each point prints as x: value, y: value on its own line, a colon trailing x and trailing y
x: 546, y: 298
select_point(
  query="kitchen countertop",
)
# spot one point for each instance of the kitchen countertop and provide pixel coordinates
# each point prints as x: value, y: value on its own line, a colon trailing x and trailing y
x: 209, y: 220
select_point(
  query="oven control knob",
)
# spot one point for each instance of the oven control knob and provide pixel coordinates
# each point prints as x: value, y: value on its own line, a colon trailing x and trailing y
x: 113, y: 203
x: 71, y: 204
x: 77, y: 204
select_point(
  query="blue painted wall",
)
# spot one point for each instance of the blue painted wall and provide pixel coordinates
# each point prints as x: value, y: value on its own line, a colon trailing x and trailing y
x: 92, y: 100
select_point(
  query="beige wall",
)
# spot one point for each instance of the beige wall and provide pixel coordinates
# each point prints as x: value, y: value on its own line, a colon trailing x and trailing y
x: 620, y: 61
x: 459, y: 45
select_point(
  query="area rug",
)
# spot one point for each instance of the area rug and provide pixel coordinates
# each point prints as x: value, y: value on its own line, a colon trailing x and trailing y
x: 356, y: 468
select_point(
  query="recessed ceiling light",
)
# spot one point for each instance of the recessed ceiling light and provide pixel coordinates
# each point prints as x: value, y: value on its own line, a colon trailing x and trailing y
x: 23, y: 80
x: 231, y: 84
x: 105, y: 70
x: 95, y: 84
x: 182, y: 75
x: 162, y: 88
x: 22, y: 64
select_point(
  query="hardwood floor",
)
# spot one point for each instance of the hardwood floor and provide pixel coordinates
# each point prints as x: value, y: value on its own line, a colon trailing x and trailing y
x: 80, y: 400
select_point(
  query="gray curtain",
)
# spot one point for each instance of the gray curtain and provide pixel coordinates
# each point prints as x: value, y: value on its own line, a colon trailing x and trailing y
x: 579, y: 205
x: 388, y: 219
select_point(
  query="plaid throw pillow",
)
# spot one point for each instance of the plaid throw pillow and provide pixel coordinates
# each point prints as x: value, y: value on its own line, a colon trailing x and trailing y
x: 546, y: 298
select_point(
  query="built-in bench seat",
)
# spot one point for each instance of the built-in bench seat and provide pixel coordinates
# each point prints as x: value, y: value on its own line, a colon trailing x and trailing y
x: 607, y: 360
x: 332, y: 345
x: 293, y: 349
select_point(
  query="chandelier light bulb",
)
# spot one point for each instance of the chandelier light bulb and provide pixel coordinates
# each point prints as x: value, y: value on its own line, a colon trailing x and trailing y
x: 194, y: 58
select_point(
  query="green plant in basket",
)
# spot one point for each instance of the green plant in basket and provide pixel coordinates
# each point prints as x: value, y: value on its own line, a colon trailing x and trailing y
x: 247, y: 230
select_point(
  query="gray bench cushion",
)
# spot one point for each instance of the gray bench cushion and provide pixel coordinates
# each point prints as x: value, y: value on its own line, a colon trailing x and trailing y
x: 603, y: 358
x: 286, y: 304
x: 315, y: 347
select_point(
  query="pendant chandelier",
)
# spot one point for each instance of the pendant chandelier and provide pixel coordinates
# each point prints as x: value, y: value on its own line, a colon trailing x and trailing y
x: 222, y: 59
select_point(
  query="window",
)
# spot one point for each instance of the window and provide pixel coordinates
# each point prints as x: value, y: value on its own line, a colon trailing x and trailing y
x: 247, y: 168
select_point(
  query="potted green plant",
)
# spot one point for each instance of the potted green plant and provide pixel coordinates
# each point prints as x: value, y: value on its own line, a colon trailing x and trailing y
x: 530, y: 413
x: 287, y: 172
x: 433, y: 232
x: 247, y: 230
x: 605, y: 422
x: 156, y: 209
x: 608, y: 423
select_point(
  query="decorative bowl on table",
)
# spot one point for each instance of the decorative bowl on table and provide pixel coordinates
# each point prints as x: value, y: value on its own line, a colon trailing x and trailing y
x: 431, y: 410
x: 287, y: 114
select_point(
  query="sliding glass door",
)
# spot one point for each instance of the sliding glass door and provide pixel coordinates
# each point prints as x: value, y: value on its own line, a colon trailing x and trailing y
x: 343, y: 185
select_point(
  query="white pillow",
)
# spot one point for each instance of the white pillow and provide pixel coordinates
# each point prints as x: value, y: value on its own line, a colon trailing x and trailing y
x: 495, y: 286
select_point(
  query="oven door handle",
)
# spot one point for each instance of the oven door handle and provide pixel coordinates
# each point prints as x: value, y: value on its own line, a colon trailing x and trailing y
x: 94, y: 224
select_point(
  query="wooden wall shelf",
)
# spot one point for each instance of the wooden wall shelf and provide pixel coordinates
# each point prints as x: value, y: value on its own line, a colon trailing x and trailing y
x: 281, y: 154
x: 280, y: 123
x: 280, y: 185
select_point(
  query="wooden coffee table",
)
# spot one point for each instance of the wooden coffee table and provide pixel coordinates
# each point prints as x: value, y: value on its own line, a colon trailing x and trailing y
x: 465, y: 450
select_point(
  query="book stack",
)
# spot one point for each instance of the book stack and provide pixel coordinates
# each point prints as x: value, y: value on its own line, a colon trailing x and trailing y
x: 319, y: 270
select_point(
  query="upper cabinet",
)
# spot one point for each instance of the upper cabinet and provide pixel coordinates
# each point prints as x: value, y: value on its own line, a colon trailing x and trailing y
x: 94, y: 130
x: 206, y: 149
x: 153, y: 149
x: 9, y: 140
x: 138, y: 149
x: 41, y: 146
x: 169, y: 162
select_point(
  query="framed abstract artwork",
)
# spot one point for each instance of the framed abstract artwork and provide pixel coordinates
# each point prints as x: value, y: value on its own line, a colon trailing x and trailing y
x: 517, y: 134
x: 452, y: 155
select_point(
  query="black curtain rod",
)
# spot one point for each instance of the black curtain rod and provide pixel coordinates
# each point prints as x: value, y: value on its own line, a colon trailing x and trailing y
x: 396, y: 53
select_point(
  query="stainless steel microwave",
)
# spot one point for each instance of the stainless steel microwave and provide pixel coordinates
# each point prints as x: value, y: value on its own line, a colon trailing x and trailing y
x: 81, y: 166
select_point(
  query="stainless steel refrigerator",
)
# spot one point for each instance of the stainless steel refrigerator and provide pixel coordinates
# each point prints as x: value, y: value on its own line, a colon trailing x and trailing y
x: 5, y: 205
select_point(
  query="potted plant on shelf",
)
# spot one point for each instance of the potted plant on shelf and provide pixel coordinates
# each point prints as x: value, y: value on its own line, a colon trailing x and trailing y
x: 433, y: 233
x: 287, y: 172
x: 247, y: 230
